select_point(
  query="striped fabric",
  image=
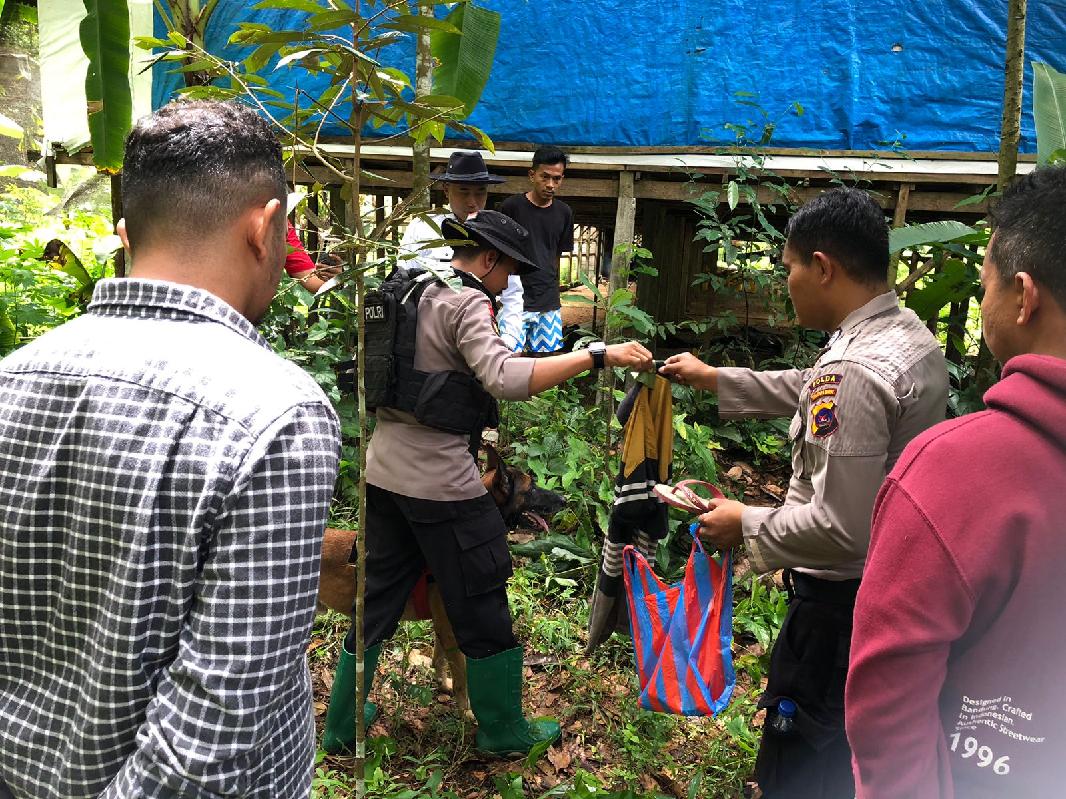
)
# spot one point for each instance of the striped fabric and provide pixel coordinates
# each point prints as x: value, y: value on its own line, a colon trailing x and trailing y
x: 638, y: 517
x: 535, y: 332
x: 166, y: 479
x: 682, y: 633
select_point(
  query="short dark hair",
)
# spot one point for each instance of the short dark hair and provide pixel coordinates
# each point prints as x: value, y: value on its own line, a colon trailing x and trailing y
x: 1030, y: 231
x: 550, y: 154
x: 847, y: 224
x: 467, y: 253
x: 195, y: 166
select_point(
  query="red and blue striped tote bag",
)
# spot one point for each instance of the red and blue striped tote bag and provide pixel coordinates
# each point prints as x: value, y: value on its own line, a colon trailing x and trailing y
x: 682, y: 633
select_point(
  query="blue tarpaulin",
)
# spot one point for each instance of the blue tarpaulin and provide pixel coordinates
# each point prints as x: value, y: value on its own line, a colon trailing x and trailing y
x: 918, y: 75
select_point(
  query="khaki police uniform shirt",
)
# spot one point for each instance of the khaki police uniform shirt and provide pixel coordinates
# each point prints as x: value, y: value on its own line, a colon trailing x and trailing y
x: 881, y: 380
x: 456, y: 331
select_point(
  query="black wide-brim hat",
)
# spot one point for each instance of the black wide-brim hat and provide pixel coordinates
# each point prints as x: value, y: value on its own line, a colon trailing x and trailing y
x: 466, y: 166
x: 495, y: 230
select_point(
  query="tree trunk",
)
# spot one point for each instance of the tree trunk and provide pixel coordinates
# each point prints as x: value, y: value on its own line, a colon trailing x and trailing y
x: 423, y: 86
x: 621, y: 255
x: 1012, y: 93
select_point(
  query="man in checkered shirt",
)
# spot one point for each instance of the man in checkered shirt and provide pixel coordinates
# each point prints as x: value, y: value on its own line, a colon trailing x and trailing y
x: 166, y: 479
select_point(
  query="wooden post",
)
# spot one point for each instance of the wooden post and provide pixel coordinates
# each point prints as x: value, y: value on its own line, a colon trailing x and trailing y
x: 1014, y: 70
x: 621, y: 251
x: 899, y: 219
x: 621, y: 255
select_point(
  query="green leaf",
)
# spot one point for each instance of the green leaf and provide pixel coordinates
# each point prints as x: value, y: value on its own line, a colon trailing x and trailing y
x: 536, y: 753
x: 105, y: 39
x: 733, y: 195
x: 10, y: 128
x: 296, y: 56
x: 295, y: 5
x: 974, y: 199
x: 465, y: 60
x: 955, y: 282
x: 60, y: 256
x: 439, y: 101
x: 1049, y: 110
x: 416, y: 23
x: 911, y: 236
x: 8, y: 334
x: 332, y: 19
x: 149, y: 42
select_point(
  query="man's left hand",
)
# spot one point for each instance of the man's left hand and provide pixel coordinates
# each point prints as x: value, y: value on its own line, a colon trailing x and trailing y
x: 721, y: 525
x: 329, y: 265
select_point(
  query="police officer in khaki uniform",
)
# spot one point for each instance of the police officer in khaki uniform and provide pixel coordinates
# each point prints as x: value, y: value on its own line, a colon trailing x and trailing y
x: 879, y: 382
x: 426, y: 505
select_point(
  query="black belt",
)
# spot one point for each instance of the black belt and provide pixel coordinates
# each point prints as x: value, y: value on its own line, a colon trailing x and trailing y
x: 815, y: 589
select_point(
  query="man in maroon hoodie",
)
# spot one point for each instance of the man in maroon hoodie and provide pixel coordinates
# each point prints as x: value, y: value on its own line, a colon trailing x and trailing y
x: 958, y: 656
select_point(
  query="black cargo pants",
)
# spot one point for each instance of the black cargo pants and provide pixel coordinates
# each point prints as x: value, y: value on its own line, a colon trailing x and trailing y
x: 809, y: 665
x: 464, y: 545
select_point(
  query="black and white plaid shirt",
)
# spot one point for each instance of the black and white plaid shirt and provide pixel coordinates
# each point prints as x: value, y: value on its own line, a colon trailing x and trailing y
x: 165, y: 481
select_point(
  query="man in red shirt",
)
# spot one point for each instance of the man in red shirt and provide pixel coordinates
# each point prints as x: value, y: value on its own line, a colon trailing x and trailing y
x: 957, y: 656
x: 300, y: 267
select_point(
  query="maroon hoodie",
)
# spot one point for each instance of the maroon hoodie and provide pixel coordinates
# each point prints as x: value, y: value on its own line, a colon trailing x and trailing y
x: 957, y: 682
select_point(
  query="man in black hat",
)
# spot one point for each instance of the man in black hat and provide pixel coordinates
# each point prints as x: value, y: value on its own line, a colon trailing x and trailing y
x: 466, y: 183
x: 426, y: 505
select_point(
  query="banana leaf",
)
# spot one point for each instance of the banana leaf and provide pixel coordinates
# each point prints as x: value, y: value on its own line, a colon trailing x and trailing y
x: 955, y: 282
x: 911, y: 236
x: 465, y: 59
x: 105, y: 38
x: 59, y: 256
x: 1049, y: 111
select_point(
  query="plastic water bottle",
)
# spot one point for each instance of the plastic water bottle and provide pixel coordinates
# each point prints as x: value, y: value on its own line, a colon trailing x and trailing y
x: 784, y: 720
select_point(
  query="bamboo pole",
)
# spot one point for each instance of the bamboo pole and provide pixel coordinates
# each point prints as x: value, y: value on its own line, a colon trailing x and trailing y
x: 355, y: 217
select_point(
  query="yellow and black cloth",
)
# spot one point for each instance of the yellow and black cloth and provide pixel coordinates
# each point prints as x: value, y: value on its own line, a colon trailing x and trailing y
x: 638, y: 517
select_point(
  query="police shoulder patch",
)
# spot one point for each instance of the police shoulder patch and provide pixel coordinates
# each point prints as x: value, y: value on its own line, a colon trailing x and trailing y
x: 822, y: 400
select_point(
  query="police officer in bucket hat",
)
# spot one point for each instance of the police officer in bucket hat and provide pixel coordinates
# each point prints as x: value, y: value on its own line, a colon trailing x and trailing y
x: 426, y: 504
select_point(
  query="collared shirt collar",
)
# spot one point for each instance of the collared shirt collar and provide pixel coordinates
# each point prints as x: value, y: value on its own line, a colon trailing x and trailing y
x: 889, y: 301
x: 161, y: 299
x: 878, y: 305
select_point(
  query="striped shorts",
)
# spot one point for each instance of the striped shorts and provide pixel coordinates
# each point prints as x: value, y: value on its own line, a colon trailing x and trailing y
x: 541, y: 332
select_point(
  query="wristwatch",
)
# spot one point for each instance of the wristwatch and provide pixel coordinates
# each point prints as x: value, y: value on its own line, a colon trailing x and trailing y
x: 598, y: 351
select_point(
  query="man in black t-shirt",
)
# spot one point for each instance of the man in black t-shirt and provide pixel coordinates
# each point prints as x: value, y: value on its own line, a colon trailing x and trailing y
x: 531, y: 314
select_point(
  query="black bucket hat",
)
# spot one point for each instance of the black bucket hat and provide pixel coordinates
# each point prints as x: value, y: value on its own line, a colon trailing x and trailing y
x: 466, y: 166
x: 495, y: 230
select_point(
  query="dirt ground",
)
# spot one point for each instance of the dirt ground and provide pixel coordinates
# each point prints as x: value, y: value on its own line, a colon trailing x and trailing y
x: 420, y: 731
x: 580, y: 314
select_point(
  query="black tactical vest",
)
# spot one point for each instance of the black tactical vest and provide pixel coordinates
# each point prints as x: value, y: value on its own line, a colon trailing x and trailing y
x: 452, y: 401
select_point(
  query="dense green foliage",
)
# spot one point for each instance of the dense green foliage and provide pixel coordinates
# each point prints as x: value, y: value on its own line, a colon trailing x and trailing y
x: 38, y: 292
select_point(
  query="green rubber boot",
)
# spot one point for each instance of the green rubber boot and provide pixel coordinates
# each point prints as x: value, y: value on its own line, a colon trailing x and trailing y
x: 339, y: 734
x: 495, y: 685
